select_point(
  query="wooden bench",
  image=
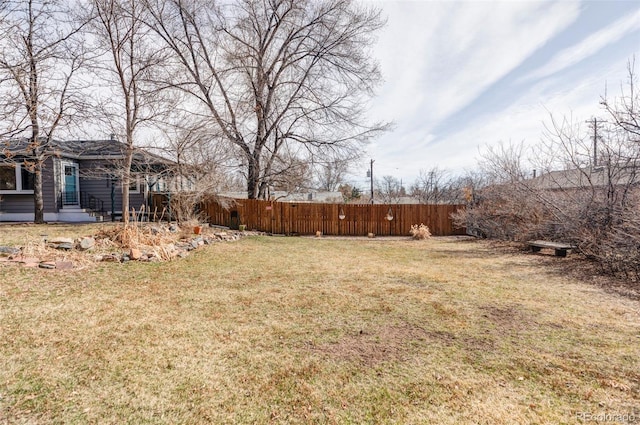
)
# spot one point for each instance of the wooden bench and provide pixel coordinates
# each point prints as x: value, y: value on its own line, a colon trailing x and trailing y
x: 560, y: 248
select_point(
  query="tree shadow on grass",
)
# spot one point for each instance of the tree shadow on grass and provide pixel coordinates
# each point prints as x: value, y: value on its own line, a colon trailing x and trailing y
x: 577, y: 267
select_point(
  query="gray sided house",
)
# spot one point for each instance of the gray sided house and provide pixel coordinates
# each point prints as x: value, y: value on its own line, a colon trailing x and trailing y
x: 81, y: 181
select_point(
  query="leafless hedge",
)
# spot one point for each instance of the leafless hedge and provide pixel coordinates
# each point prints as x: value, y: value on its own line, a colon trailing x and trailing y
x: 586, y: 190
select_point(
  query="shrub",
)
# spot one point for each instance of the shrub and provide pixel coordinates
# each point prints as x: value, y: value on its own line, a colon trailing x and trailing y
x: 420, y: 232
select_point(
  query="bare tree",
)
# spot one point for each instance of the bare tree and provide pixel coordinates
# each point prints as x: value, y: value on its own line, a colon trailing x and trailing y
x: 595, y: 190
x: 437, y: 186
x: 624, y: 110
x: 289, y: 172
x: 39, y: 59
x: 277, y: 75
x: 389, y: 189
x: 200, y: 164
x: 503, y: 163
x: 332, y: 173
x: 128, y: 63
x: 586, y: 192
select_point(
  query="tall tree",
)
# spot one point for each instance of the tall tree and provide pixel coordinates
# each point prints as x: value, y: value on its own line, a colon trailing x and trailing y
x: 40, y: 56
x: 275, y: 75
x: 128, y: 64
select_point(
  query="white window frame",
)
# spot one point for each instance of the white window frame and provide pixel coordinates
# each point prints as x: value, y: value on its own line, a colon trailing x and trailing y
x: 136, y: 180
x: 18, y: 173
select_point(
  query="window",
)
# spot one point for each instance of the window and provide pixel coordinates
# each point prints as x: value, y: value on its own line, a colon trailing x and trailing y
x: 16, y: 178
x: 134, y: 184
x: 8, y: 177
x: 28, y: 179
x: 160, y: 185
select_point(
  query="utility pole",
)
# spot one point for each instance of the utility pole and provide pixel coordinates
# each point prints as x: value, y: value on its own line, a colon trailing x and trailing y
x: 371, y: 175
x: 595, y: 141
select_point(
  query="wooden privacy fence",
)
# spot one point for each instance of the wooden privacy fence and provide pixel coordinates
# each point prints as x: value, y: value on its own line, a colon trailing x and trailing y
x: 332, y: 219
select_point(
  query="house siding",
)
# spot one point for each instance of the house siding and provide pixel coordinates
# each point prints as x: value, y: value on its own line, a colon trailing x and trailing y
x: 101, y: 190
x: 16, y: 203
x: 136, y: 200
x: 96, y: 183
x: 49, y: 192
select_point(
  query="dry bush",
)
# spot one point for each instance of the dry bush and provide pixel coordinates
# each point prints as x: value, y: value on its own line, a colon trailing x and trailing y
x: 134, y: 236
x: 185, y: 206
x: 507, y: 212
x: 420, y: 232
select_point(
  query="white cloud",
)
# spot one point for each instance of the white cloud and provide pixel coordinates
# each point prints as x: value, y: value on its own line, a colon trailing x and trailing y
x: 485, y: 43
x: 525, y: 119
x: 588, y: 47
x: 437, y: 57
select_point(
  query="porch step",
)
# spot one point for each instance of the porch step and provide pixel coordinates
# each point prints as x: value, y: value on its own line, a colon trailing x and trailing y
x: 75, y: 215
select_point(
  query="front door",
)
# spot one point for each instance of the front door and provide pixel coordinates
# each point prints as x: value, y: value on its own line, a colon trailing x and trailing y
x: 70, y: 195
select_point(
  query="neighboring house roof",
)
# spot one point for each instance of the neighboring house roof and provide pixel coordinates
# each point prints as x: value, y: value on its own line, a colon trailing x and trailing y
x: 586, y: 177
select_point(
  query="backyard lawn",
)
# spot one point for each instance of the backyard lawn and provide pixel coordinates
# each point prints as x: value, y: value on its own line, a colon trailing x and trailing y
x: 308, y: 330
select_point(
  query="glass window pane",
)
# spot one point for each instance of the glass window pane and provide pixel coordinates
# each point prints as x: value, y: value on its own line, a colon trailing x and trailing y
x: 28, y: 179
x: 7, y: 177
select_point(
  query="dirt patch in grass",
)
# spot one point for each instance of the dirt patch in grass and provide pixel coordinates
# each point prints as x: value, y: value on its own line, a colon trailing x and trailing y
x: 509, y: 317
x: 385, y: 344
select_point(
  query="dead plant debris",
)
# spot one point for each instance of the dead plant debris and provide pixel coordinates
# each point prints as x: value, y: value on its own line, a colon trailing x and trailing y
x: 152, y: 242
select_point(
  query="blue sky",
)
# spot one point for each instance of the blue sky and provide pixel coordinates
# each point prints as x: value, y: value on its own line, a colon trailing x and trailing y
x: 460, y: 75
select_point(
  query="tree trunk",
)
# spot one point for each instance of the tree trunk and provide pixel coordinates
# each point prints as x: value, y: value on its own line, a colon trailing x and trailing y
x: 253, y: 178
x: 38, y: 200
x: 126, y: 182
x: 262, y: 191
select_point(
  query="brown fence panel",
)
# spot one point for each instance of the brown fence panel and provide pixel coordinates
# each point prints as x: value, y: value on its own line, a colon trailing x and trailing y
x: 307, y: 218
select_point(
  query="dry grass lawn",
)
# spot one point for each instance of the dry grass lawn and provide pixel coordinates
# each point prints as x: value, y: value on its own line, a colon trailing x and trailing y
x: 305, y: 330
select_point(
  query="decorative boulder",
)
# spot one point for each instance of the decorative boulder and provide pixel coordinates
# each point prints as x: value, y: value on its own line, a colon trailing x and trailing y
x: 87, y: 243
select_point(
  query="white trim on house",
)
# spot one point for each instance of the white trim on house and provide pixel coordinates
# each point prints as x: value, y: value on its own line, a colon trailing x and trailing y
x: 68, y: 216
x: 73, y: 202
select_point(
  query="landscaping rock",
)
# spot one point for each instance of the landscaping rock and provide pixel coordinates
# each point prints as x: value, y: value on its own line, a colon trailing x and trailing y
x: 87, y: 243
x: 8, y: 250
x: 135, y: 254
x: 64, y: 265
x: 60, y: 240
x: 66, y: 246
